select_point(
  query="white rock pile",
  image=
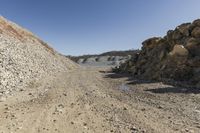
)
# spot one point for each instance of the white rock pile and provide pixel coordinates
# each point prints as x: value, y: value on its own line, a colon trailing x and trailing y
x: 24, y: 58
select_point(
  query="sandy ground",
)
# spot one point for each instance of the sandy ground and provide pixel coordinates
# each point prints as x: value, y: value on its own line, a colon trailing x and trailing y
x: 91, y: 100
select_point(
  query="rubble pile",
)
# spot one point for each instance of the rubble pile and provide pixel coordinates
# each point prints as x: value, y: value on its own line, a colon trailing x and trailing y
x: 175, y: 57
x: 24, y: 58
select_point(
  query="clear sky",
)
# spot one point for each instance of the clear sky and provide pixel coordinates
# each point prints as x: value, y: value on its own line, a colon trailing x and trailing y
x: 79, y: 27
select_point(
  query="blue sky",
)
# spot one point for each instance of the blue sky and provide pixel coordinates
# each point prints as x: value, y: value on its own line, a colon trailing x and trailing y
x: 76, y: 27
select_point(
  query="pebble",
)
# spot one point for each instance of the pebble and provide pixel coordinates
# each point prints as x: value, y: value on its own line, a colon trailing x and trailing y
x: 125, y: 108
x: 189, y: 131
x: 133, y: 129
x: 21, y: 90
x: 160, y: 107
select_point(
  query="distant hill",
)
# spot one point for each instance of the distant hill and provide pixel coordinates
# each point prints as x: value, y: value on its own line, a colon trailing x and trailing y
x: 110, y: 53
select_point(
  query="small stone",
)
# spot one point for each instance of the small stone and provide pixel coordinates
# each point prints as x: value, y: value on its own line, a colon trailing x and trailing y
x: 160, y: 107
x: 189, y: 131
x: 61, y: 105
x: 21, y: 90
x: 125, y: 108
x: 133, y: 129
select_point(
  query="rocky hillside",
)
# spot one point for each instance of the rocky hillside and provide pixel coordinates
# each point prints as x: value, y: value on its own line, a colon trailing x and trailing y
x: 24, y: 58
x: 175, y: 57
x: 112, y: 58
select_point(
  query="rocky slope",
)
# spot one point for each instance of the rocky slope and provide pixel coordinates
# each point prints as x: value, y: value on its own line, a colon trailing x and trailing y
x: 175, y: 57
x: 25, y: 59
x: 103, y: 60
x: 112, y: 58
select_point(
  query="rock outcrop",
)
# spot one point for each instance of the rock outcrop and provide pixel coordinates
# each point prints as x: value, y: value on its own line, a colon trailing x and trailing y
x: 103, y: 60
x: 111, y: 58
x: 24, y: 58
x: 175, y: 57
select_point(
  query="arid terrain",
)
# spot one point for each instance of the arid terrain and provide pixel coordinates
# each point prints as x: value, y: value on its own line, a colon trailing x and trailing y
x: 42, y: 91
x: 90, y: 99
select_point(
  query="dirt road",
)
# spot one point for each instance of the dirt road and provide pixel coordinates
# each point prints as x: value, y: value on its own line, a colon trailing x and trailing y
x: 90, y: 100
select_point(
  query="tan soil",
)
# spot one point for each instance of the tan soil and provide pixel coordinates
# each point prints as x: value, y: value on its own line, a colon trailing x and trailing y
x: 90, y: 100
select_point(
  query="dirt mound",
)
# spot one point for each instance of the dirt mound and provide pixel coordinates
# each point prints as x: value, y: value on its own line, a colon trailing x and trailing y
x: 175, y: 57
x: 24, y: 58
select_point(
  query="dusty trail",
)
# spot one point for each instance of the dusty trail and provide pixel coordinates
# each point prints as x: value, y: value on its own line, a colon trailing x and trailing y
x: 89, y: 100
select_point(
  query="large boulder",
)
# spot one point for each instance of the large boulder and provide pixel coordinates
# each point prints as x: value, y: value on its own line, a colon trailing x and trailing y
x: 193, y: 45
x: 196, y: 32
x: 184, y: 29
x: 196, y: 23
x: 179, y: 50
